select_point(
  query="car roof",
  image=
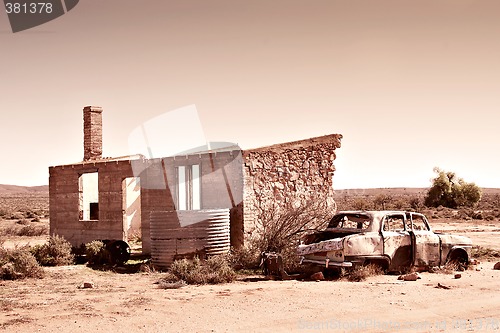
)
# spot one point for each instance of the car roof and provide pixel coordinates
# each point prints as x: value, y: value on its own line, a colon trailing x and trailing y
x: 375, y: 212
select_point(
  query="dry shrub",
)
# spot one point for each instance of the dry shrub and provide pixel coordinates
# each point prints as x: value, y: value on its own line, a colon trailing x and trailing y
x: 147, y: 268
x: 171, y: 285
x: 280, y: 228
x: 361, y: 273
x: 16, y: 321
x: 480, y: 252
x: 18, y: 263
x: 7, y: 305
x: 16, y: 216
x: 448, y: 268
x: 214, y: 270
x: 135, y: 237
x: 34, y: 230
x: 96, y: 253
x: 23, y: 222
x: 56, y: 252
x: 362, y: 203
x: 4, y: 213
x: 245, y: 257
x: 29, y: 230
x: 170, y: 281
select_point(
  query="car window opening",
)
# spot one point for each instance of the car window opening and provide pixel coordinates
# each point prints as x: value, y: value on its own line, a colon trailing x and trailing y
x: 350, y: 221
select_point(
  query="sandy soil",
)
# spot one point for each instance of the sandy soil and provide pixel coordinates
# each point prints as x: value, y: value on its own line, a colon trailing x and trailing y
x: 134, y: 303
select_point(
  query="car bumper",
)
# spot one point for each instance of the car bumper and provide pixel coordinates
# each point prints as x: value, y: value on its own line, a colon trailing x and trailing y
x: 325, y: 263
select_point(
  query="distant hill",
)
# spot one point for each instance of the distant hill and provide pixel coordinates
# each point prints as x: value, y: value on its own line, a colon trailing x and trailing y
x: 376, y: 191
x: 397, y: 191
x: 8, y: 189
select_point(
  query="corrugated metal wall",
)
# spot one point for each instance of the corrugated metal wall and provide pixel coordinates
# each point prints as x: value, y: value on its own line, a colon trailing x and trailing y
x: 184, y: 233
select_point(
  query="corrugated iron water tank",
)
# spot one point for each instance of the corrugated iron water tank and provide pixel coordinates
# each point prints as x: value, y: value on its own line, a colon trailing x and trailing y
x: 176, y: 234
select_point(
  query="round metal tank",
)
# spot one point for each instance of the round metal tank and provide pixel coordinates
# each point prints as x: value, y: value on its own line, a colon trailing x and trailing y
x: 176, y: 234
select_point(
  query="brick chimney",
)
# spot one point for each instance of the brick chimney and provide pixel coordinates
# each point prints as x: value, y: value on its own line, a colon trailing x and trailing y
x: 92, y: 133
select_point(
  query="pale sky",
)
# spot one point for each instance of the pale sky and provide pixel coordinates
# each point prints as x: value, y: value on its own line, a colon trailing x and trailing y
x: 409, y: 84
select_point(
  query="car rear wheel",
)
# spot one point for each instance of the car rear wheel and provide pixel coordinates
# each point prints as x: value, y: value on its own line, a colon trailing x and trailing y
x: 459, y: 260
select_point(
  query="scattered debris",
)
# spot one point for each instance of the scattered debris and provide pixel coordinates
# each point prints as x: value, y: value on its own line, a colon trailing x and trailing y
x: 272, y: 265
x: 409, y: 277
x: 442, y: 286
x: 458, y: 276
x: 318, y: 276
x: 86, y: 285
x: 433, y: 269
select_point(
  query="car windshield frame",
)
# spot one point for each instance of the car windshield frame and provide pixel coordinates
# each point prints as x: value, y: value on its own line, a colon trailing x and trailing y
x: 350, y: 221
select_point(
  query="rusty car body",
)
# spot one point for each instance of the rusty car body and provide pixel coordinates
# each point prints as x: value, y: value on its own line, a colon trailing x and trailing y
x: 393, y: 240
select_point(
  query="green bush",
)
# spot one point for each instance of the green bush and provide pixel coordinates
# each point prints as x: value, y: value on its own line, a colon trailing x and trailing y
x: 214, y: 270
x: 56, y: 252
x: 18, y: 263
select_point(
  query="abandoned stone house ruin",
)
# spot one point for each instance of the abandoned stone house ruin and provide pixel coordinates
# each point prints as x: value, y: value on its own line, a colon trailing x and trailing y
x: 202, y: 201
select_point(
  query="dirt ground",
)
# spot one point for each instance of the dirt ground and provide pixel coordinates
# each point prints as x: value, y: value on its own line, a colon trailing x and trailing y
x: 437, y: 302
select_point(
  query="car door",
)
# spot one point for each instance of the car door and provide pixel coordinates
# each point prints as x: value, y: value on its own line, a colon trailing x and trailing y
x: 425, y: 243
x: 397, y: 241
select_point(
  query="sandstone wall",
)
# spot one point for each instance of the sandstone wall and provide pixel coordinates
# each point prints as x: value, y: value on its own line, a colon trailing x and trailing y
x: 287, y: 173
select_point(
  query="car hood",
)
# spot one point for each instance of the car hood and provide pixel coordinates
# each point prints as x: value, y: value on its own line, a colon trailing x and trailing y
x: 454, y: 239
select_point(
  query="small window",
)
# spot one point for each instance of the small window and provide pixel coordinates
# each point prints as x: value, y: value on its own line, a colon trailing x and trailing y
x: 350, y: 221
x: 94, y: 210
x: 188, y: 187
x: 394, y: 223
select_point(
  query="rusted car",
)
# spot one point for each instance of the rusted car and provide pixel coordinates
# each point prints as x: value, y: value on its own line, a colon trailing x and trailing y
x: 393, y: 240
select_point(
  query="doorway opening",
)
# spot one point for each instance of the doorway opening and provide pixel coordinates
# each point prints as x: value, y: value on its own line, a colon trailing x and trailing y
x: 131, y: 201
x: 88, y: 196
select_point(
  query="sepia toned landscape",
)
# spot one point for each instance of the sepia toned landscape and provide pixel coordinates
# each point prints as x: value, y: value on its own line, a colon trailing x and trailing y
x: 250, y: 166
x: 78, y: 298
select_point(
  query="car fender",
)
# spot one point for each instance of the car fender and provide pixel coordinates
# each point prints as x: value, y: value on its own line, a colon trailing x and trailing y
x: 363, y: 244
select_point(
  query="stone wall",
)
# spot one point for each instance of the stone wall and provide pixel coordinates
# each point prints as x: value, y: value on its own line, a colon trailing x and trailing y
x: 286, y: 173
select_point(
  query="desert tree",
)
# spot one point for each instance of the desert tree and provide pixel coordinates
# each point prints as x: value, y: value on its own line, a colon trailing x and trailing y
x: 450, y: 191
x: 381, y: 201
